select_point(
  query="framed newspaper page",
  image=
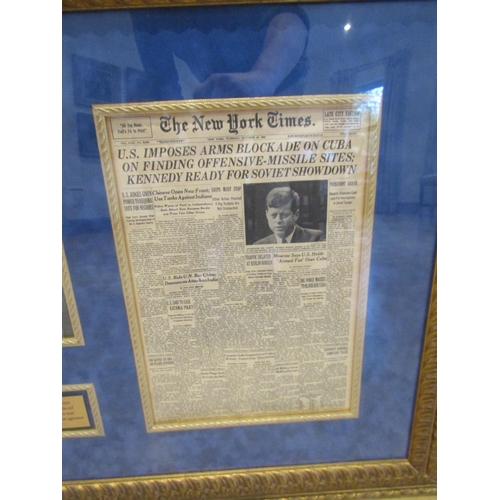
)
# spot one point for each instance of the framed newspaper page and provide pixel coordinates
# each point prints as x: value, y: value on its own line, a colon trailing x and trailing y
x: 249, y: 59
x: 243, y: 233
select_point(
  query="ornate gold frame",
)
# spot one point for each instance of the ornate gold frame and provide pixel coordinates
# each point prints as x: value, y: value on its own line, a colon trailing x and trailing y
x: 414, y: 475
x: 81, y: 5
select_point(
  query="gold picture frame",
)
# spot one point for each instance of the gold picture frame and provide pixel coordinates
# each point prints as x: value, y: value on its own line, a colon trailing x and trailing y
x: 416, y: 474
x: 105, y: 115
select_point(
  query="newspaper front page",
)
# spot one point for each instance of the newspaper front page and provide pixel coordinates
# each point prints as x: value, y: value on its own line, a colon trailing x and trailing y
x: 243, y: 233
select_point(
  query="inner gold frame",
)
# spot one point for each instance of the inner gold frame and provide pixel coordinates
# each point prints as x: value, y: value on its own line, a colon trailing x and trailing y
x: 103, y: 114
x: 414, y: 475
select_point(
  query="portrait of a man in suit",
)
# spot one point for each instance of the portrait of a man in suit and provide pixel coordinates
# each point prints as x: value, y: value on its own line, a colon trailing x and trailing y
x: 282, y: 213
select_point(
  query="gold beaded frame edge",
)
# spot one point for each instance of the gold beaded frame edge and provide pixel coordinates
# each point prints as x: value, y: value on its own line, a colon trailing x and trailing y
x: 337, y: 481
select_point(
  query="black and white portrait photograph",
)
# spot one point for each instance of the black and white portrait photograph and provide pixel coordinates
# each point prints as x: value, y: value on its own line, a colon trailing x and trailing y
x: 285, y: 212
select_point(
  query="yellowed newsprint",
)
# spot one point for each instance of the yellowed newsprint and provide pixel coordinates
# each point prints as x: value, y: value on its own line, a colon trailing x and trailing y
x: 243, y: 233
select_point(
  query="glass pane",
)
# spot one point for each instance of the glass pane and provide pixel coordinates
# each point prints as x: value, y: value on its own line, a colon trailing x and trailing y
x: 241, y: 51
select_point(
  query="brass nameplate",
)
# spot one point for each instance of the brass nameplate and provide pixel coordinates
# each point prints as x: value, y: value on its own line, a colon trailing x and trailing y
x: 74, y: 413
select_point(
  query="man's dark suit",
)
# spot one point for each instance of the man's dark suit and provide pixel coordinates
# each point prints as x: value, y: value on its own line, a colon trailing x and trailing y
x: 301, y: 235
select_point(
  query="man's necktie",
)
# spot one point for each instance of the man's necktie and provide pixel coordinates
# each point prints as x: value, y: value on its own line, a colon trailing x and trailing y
x: 283, y: 240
